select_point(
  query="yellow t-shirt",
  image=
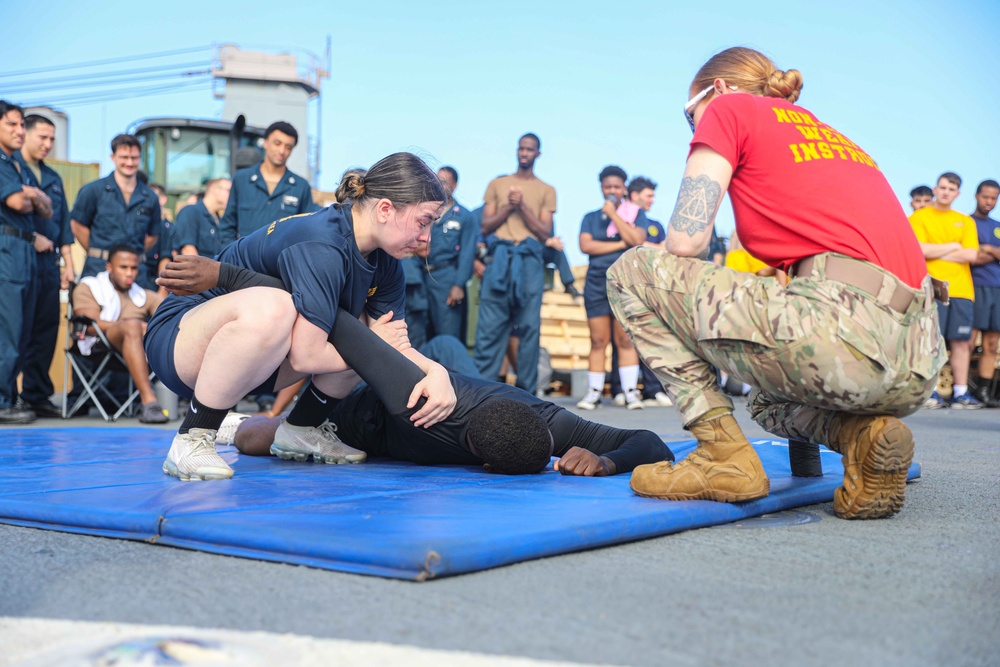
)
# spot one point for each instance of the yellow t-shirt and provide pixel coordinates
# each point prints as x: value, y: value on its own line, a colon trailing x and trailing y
x: 934, y: 226
x: 537, y: 195
x: 741, y: 260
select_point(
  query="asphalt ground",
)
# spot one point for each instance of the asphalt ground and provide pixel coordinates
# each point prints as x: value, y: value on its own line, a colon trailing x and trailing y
x: 796, y: 588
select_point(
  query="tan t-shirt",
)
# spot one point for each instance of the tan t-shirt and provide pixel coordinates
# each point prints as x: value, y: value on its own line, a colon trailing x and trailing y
x: 537, y: 195
x: 83, y: 299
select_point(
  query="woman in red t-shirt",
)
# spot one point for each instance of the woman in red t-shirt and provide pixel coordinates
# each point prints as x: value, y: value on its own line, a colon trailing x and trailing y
x: 837, y: 354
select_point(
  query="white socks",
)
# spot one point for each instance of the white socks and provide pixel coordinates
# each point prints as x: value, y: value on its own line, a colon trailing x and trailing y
x: 629, y: 376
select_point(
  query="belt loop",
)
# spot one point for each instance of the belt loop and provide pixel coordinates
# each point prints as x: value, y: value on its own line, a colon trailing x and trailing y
x: 888, y: 288
x: 819, y: 265
x: 927, y: 287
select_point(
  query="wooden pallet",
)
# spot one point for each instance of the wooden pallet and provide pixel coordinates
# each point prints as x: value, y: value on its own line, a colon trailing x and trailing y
x: 565, y: 333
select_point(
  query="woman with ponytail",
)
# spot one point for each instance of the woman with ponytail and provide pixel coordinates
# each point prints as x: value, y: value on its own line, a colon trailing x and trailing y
x: 217, y: 346
x: 837, y: 354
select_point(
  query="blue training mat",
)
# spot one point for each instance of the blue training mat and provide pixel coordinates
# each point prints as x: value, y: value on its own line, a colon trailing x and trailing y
x: 382, y: 518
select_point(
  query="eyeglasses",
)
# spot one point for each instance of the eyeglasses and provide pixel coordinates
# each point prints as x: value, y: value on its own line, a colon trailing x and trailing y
x: 693, y: 102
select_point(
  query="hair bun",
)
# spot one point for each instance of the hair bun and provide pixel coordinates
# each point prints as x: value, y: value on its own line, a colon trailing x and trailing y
x: 356, y: 186
x: 786, y: 85
x: 352, y: 186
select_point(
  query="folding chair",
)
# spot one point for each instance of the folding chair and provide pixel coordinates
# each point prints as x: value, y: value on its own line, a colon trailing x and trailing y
x: 94, y: 370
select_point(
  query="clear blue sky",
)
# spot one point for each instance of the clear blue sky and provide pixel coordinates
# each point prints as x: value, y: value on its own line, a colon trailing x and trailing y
x: 914, y: 83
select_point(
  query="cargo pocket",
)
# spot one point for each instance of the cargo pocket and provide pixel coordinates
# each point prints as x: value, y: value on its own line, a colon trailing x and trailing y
x: 926, y: 350
x: 726, y: 323
x: 786, y: 314
x: 767, y: 318
x: 861, y: 342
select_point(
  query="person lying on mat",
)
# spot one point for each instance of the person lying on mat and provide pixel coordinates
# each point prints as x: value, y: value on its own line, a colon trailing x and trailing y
x: 503, y: 428
x: 215, y: 347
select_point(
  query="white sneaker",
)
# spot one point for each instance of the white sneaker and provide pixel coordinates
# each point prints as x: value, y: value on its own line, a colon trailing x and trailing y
x: 319, y: 442
x: 591, y: 401
x: 227, y: 432
x: 192, y: 456
x: 633, y: 401
x: 618, y: 400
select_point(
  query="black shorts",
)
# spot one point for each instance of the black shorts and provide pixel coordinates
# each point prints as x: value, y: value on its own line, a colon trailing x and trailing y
x: 361, y: 420
x: 595, y: 295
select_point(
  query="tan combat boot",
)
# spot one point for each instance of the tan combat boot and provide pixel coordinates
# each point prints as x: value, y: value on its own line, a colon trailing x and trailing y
x: 876, y: 452
x: 724, y: 468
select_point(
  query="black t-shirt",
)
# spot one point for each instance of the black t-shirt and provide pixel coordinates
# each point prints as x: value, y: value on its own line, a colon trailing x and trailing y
x: 365, y: 422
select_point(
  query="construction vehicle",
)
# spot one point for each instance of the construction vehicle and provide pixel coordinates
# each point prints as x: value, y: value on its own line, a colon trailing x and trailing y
x: 182, y: 154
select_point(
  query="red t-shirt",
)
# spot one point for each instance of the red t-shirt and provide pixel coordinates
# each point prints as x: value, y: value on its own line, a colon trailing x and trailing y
x: 801, y: 188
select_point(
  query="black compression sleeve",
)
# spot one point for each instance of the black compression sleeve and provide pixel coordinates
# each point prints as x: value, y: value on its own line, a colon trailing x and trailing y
x: 628, y: 448
x: 388, y: 372
x: 639, y: 447
x: 232, y: 278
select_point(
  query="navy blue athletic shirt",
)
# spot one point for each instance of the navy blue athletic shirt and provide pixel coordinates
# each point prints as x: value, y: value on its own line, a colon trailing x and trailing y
x: 316, y: 256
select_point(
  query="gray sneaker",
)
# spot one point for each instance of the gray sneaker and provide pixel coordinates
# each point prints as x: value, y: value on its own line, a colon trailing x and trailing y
x: 192, y: 456
x: 319, y: 442
x: 152, y: 413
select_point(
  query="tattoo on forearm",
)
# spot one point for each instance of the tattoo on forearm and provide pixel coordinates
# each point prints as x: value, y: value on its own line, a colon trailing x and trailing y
x: 696, y: 204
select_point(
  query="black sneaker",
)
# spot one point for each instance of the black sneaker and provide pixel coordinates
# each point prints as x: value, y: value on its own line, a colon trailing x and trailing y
x: 984, y: 396
x: 12, y: 415
x: 45, y: 410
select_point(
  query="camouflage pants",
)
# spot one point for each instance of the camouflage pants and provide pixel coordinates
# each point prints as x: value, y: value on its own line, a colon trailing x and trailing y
x: 812, y: 349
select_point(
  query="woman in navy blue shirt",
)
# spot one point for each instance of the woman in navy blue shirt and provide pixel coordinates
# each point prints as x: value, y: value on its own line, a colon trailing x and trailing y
x: 604, y: 235
x: 218, y: 346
